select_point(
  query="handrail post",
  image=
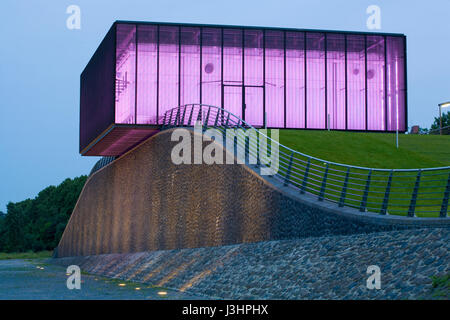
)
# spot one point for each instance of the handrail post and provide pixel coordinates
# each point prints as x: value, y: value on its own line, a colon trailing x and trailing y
x: 324, y: 183
x: 170, y: 118
x: 184, y: 114
x: 386, y: 194
x: 344, y: 188
x: 177, y: 117
x: 228, y: 120
x: 205, y: 124
x: 412, y: 204
x: 199, y: 115
x: 305, y: 176
x: 217, y: 119
x: 164, y: 120
x: 235, y: 147
x: 190, y: 115
x: 288, y: 172
x: 363, y: 205
x: 258, y: 151
x: 444, y: 205
x: 247, y: 148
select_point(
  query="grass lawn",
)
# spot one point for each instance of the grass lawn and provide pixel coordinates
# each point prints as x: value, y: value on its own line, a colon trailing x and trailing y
x: 25, y: 255
x: 375, y: 150
x: 441, y: 287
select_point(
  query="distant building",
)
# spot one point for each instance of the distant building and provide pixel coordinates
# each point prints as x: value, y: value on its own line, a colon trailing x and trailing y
x: 415, y: 129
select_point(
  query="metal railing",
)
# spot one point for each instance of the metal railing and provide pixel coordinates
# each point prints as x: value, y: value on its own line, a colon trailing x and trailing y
x: 412, y: 192
x: 100, y: 164
x: 445, y: 130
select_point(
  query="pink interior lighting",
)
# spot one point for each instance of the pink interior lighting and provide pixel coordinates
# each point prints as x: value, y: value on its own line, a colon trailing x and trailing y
x: 269, y: 77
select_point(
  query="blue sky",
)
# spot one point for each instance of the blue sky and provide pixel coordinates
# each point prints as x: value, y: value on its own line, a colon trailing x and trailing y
x: 41, y: 61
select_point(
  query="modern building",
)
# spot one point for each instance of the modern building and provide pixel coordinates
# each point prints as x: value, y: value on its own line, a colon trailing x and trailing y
x: 273, y: 77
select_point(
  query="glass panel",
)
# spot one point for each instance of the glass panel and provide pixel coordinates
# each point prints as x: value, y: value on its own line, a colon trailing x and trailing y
x: 125, y: 73
x: 232, y: 56
x: 254, y: 106
x: 274, y: 85
x: 315, y: 73
x: 356, y: 103
x: 232, y: 100
x: 190, y: 65
x: 244, y: 66
x: 147, y: 74
x: 336, y: 81
x: 253, y: 57
x: 395, y: 83
x: 295, y: 80
x: 211, y: 66
x: 375, y: 83
x: 168, y: 69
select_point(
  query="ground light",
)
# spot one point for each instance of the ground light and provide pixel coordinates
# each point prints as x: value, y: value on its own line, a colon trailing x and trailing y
x: 442, y: 105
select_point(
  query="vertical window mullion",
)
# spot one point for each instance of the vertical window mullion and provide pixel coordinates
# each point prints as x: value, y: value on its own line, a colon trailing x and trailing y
x: 326, y: 81
x: 284, y: 75
x: 385, y: 85
x: 264, y: 79
x: 306, y: 80
x: 157, y: 74
x: 135, y: 73
x: 365, y: 81
x: 346, y: 84
x: 201, y: 64
x: 179, y: 66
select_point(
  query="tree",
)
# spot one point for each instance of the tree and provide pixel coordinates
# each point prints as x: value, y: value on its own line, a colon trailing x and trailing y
x: 2, y: 230
x: 445, y: 121
x: 37, y: 224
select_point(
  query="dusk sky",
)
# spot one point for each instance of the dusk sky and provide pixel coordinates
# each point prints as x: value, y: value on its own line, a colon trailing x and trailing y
x: 41, y: 61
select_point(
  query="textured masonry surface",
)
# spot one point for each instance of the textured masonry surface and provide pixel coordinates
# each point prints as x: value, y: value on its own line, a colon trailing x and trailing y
x: 328, y: 267
x: 143, y: 202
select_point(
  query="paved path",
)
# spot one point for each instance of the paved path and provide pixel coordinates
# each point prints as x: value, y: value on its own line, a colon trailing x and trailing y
x: 24, y: 279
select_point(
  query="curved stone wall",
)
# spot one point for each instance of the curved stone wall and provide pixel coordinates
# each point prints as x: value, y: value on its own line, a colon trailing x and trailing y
x: 143, y: 202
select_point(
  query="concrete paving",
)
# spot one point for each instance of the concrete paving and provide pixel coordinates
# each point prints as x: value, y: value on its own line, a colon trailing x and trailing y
x: 36, y: 279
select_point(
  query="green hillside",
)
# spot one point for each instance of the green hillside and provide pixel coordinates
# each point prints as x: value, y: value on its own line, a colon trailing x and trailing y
x: 375, y: 150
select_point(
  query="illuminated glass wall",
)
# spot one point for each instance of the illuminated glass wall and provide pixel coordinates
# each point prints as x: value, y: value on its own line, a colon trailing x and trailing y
x: 125, y: 74
x: 336, y: 81
x: 269, y: 77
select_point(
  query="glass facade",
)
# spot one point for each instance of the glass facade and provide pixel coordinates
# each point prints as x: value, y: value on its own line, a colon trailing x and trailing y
x: 269, y: 77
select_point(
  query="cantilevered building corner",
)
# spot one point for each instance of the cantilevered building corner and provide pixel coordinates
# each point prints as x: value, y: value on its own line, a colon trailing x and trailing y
x: 272, y: 77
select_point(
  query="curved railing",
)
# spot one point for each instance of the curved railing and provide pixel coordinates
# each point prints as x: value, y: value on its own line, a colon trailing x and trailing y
x: 101, y: 163
x: 412, y: 192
